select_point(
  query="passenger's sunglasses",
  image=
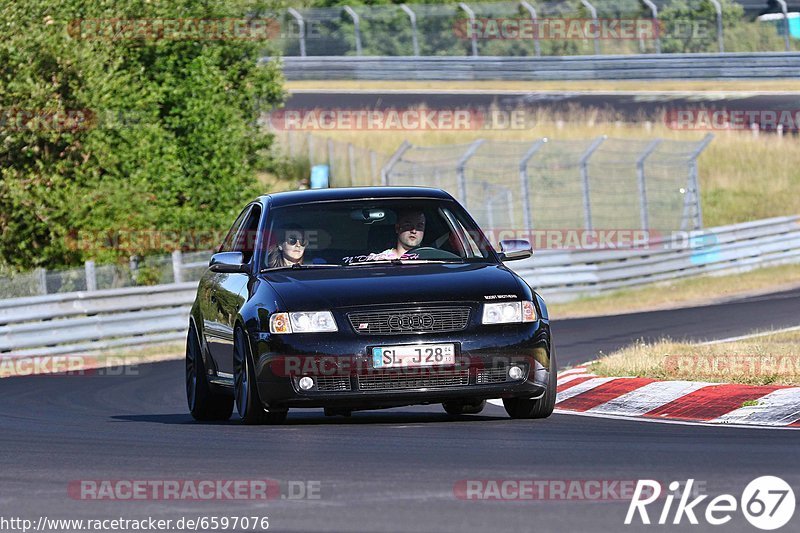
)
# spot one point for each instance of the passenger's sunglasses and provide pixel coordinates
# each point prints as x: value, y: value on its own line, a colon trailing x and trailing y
x: 296, y: 240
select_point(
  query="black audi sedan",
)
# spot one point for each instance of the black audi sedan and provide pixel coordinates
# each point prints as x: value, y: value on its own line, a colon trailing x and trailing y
x: 365, y: 298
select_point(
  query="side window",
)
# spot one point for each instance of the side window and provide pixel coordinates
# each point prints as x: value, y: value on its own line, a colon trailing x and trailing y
x: 245, y: 241
x: 227, y: 244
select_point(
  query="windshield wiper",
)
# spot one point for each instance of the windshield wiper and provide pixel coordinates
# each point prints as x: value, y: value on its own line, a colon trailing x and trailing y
x: 297, y: 266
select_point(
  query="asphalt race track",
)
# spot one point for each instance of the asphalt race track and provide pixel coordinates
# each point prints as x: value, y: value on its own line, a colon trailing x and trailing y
x: 624, y: 105
x: 392, y: 470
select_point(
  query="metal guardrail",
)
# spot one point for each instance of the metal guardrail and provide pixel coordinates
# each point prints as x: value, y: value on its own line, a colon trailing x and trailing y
x: 83, y: 321
x: 766, y: 65
x: 565, y: 275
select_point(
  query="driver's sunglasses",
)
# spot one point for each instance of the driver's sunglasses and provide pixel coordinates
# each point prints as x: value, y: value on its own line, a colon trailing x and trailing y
x: 296, y: 240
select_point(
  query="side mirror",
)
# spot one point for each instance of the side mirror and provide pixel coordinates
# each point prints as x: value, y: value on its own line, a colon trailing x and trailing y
x: 227, y: 262
x: 514, y: 249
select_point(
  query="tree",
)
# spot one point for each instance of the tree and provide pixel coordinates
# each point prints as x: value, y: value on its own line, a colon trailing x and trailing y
x: 105, y: 132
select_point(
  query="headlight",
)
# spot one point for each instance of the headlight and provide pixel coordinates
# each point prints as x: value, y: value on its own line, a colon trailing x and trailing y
x: 509, y: 312
x: 305, y: 322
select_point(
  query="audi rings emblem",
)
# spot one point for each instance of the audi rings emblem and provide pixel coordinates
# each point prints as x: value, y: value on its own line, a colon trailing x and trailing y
x: 411, y: 322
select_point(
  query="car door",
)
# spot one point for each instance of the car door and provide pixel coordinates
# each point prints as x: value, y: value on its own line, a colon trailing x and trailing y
x: 230, y: 292
x: 213, y: 327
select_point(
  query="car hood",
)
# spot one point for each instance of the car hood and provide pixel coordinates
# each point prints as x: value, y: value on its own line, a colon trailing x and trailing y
x: 312, y: 289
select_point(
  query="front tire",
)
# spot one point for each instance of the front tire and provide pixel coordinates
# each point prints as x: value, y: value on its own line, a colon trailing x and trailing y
x: 248, y: 403
x: 204, y: 404
x: 541, y: 407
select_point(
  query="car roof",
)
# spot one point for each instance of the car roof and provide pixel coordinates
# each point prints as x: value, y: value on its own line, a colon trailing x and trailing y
x: 351, y: 193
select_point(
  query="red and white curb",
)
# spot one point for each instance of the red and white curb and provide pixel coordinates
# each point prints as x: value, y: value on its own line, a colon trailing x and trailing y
x: 581, y: 392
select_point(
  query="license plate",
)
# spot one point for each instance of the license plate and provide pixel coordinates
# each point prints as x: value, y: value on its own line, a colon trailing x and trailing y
x: 413, y: 355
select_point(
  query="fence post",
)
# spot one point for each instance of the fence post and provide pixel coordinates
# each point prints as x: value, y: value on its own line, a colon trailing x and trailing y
x: 536, y: 47
x: 301, y: 25
x: 413, y: 18
x: 351, y: 158
x: 310, y: 143
x: 356, y: 27
x: 692, y: 198
x: 524, y: 186
x: 474, y: 38
x: 387, y: 168
x: 587, y: 202
x: 373, y: 167
x: 720, y: 38
x: 654, y: 10
x: 290, y: 142
x: 462, y: 163
x: 41, y: 278
x: 593, y: 11
x: 332, y: 174
x: 644, y: 215
x: 177, y: 266
x: 91, y: 276
x: 784, y: 10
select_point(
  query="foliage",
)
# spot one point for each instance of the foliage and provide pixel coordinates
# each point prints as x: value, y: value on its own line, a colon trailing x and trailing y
x: 163, y: 133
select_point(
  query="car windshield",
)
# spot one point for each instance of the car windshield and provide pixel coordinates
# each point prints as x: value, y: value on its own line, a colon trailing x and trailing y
x: 371, y: 232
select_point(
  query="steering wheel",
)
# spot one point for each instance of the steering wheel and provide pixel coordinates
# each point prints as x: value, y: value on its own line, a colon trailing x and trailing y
x: 429, y: 252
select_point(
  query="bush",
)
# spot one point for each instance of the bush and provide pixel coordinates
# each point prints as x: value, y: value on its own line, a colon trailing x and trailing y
x: 164, y: 137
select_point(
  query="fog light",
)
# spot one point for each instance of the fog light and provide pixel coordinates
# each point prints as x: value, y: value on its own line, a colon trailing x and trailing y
x: 306, y: 383
x: 515, y: 372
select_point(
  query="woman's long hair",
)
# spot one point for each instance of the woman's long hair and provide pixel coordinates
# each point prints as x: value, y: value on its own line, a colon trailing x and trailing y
x: 275, y: 256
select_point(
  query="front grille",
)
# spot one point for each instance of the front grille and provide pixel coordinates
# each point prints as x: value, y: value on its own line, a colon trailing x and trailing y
x: 409, y: 320
x: 333, y: 383
x: 396, y: 381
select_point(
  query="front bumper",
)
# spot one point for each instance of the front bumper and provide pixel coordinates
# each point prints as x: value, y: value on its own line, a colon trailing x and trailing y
x: 341, y: 366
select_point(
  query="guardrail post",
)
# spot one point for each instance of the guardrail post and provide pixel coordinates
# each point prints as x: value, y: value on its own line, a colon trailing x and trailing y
x: 177, y: 266
x: 91, y: 276
x: 351, y: 158
x: 412, y: 17
x: 461, y: 166
x: 645, y: 217
x: 474, y: 38
x: 41, y: 278
x: 524, y: 186
x: 720, y: 38
x: 654, y: 10
x: 301, y: 25
x: 356, y: 27
x: 784, y: 10
x: 587, y: 202
x: 387, y: 168
x: 593, y: 11
x: 536, y: 47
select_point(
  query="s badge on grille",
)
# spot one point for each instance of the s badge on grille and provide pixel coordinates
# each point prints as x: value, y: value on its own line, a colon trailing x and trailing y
x: 363, y: 325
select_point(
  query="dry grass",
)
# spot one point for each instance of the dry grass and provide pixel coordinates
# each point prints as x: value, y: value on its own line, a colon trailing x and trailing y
x: 773, y: 359
x: 680, y: 293
x: 591, y: 85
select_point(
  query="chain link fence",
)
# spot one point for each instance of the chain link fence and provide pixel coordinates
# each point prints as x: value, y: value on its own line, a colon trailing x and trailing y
x: 348, y: 165
x: 551, y: 184
x: 540, y: 28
